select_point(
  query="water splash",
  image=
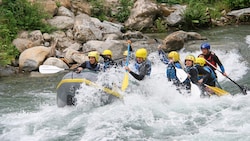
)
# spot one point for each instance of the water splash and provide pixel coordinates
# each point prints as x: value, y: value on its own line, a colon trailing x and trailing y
x: 152, y: 110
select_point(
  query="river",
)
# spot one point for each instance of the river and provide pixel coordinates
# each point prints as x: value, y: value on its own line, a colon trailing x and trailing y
x: 153, y: 111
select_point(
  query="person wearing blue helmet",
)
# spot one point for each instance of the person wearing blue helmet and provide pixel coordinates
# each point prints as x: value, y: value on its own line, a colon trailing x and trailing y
x: 211, y: 57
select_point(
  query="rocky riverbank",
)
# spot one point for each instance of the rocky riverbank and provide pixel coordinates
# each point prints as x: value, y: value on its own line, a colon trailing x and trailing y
x: 78, y: 33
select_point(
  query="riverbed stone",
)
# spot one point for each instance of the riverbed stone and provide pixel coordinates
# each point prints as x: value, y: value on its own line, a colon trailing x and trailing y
x: 56, y: 62
x: 176, y: 40
x: 31, y: 58
x: 8, y: 70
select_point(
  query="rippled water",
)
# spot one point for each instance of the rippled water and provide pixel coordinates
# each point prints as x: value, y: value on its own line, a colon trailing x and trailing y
x: 152, y: 110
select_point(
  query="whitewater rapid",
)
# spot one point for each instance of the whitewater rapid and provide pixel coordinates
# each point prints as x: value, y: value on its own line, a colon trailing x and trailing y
x: 150, y: 110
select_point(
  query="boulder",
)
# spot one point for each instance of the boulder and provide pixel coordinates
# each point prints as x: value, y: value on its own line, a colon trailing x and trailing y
x: 239, y: 13
x: 65, y: 42
x: 31, y: 58
x: 87, y: 28
x: 177, y: 16
x: 79, y: 58
x: 63, y: 11
x: 22, y: 44
x: 7, y: 70
x: 36, y: 37
x: 56, y: 62
x: 142, y: 15
x: 68, y: 54
x: 62, y: 22
x: 176, y: 40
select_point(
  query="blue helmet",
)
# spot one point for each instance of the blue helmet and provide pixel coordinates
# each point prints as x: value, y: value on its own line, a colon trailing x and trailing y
x: 205, y: 46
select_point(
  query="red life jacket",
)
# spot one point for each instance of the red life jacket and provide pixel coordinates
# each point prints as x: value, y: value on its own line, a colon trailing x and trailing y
x: 210, y: 58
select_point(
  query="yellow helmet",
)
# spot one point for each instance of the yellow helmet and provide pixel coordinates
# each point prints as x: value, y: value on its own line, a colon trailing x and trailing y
x: 125, y: 53
x: 94, y: 54
x: 201, y: 61
x: 107, y: 52
x: 142, y: 53
x: 191, y: 58
x: 175, y: 55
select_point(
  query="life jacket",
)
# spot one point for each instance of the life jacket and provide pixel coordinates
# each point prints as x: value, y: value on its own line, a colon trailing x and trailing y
x: 187, y: 69
x: 210, y: 59
x: 88, y: 66
x: 211, y: 71
x: 171, y: 72
x: 138, y: 67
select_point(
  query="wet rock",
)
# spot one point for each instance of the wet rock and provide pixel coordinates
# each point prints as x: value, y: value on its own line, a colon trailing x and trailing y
x: 8, y: 70
x: 176, y: 40
x: 31, y: 58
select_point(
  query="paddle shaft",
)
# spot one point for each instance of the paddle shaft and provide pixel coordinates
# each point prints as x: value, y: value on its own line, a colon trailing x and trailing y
x: 242, y: 89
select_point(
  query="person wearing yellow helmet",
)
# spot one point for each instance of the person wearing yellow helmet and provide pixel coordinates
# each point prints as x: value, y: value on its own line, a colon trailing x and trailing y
x: 194, y: 72
x: 108, y: 61
x: 200, y: 61
x: 142, y: 65
x: 92, y: 64
x: 172, y: 61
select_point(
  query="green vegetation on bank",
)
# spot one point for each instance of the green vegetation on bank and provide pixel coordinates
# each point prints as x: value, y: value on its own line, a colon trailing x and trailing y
x: 200, y: 12
x: 103, y: 12
x: 15, y: 16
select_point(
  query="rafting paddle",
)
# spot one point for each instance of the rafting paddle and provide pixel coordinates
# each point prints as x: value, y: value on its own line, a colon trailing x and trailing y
x: 48, y: 69
x: 125, y: 79
x: 217, y: 90
x: 242, y: 88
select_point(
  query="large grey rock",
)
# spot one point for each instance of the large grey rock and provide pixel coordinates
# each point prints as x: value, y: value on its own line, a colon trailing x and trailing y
x: 239, y: 13
x: 142, y: 15
x: 31, y: 58
x: 63, y: 11
x: 176, y: 40
x: 22, y: 44
x: 87, y: 28
x: 61, y: 22
x: 177, y: 16
x: 56, y: 62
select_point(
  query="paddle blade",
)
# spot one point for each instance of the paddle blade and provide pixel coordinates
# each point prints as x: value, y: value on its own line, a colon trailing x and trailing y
x: 195, y: 90
x: 217, y: 90
x: 47, y: 69
x: 181, y: 74
x: 125, y: 82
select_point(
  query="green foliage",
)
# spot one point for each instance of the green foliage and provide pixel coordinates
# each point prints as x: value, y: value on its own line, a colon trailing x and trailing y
x: 124, y: 11
x: 238, y: 4
x: 99, y: 10
x: 195, y: 15
x: 160, y: 25
x: 17, y: 15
